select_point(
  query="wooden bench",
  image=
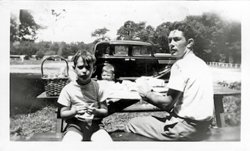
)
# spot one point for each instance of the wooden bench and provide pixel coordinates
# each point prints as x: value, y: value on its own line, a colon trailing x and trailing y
x: 221, y: 133
x: 217, y: 135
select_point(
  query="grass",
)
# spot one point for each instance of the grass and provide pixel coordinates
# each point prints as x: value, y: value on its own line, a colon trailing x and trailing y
x: 23, y: 126
x: 25, y: 62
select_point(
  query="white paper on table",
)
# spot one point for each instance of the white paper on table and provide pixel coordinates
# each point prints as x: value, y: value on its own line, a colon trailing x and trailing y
x: 124, y: 95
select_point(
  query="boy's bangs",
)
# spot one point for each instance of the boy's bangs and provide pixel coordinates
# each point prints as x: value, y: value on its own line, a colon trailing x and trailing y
x: 87, y: 60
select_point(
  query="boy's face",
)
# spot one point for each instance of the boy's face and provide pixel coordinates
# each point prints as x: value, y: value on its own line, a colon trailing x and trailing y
x: 107, y: 76
x: 83, y: 71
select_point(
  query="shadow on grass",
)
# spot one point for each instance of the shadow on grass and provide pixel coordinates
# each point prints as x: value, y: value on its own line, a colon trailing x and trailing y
x: 24, y: 88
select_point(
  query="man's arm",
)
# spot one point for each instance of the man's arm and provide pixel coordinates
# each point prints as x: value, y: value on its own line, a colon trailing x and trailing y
x: 163, y: 102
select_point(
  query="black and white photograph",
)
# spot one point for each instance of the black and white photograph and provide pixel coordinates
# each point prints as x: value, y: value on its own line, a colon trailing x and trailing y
x: 127, y: 75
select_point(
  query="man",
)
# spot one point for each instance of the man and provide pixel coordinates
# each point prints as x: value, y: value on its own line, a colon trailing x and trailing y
x: 189, y: 99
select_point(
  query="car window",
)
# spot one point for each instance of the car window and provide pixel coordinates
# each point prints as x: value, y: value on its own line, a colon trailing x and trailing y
x: 121, y: 51
x: 140, y: 51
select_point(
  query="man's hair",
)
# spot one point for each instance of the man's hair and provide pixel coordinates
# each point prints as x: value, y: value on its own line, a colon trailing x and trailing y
x: 188, y: 31
x: 87, y: 57
x: 108, y: 68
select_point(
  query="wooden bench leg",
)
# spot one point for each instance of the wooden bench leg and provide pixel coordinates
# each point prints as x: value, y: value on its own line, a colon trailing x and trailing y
x: 59, y: 123
x: 219, y: 110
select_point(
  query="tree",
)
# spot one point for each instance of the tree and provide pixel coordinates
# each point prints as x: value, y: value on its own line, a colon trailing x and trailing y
x: 233, y: 42
x: 13, y: 29
x: 24, y: 48
x: 131, y: 31
x: 100, y: 34
x: 217, y: 39
x: 23, y: 28
x: 27, y: 27
x: 161, y: 37
x: 40, y: 54
x: 203, y: 40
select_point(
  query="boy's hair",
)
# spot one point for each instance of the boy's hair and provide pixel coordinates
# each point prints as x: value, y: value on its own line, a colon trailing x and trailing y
x: 188, y: 31
x: 108, y: 68
x: 86, y: 56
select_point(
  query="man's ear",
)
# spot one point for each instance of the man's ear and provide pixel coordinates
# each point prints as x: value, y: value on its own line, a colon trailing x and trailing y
x: 190, y: 43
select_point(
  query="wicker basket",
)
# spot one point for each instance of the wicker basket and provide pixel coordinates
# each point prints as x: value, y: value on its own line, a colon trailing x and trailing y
x: 54, y: 85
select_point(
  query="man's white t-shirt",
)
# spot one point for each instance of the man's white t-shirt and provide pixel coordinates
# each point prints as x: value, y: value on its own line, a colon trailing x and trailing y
x: 192, y: 76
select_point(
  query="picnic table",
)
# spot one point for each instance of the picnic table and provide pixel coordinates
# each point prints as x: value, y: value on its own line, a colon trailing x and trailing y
x: 128, y: 103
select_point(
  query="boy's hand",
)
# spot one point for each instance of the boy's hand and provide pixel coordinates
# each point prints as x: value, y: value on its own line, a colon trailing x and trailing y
x: 91, y: 109
x: 79, y: 109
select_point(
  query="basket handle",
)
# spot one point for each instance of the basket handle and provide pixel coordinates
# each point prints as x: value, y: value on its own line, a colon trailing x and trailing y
x: 53, y: 57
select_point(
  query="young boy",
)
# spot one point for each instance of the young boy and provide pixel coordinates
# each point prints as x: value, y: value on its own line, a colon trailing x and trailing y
x: 83, y: 105
x: 108, y: 72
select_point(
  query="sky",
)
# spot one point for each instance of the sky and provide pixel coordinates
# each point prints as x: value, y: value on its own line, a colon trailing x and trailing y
x: 80, y: 19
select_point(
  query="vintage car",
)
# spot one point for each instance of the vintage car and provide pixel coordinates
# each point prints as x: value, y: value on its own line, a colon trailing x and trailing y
x: 131, y: 59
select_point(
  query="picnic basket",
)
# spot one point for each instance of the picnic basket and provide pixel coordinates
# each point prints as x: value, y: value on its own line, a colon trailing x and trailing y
x: 54, y: 84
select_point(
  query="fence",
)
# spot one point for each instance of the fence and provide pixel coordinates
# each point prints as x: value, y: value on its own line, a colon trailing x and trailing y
x: 224, y: 65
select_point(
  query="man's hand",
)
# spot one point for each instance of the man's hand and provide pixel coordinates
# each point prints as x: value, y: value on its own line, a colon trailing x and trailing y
x: 143, y: 88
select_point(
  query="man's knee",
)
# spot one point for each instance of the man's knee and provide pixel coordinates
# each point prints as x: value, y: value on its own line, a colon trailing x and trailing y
x: 133, y: 124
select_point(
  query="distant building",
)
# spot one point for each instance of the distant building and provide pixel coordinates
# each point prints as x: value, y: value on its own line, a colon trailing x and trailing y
x: 18, y: 57
x: 34, y: 57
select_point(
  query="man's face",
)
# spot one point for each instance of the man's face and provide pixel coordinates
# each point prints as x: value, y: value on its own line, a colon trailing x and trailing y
x: 177, y: 43
x: 107, y: 76
x: 83, y: 71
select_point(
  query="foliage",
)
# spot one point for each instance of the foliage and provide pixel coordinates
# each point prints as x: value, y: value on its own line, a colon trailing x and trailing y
x: 216, y: 39
x: 232, y: 85
x: 131, y: 31
x: 13, y: 29
x: 24, y: 48
x: 126, y: 32
x: 26, y: 29
x: 232, y: 104
x: 100, y: 34
x: 48, y: 48
x: 23, y: 126
x: 161, y: 37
